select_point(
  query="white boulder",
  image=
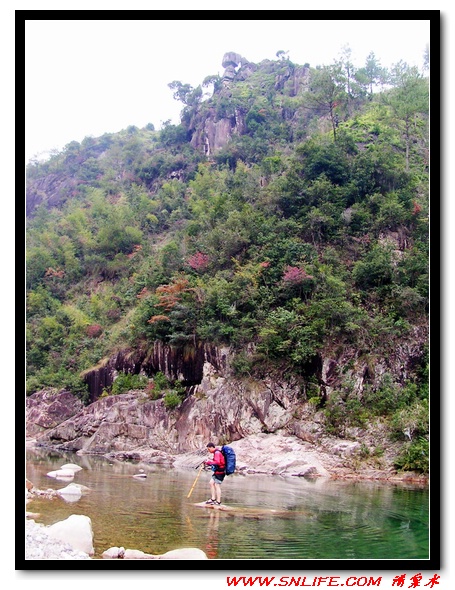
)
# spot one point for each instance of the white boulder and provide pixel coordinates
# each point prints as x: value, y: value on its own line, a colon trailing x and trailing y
x: 77, y: 531
x: 114, y: 553
x: 72, y: 493
x: 71, y: 467
x: 136, y: 554
x: 122, y: 553
x: 61, y: 474
x: 187, y: 553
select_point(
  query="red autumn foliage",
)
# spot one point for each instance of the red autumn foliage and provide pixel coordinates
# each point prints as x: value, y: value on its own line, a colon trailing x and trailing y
x: 143, y: 293
x: 169, y: 296
x: 51, y: 272
x: 295, y: 275
x: 198, y: 261
x: 417, y: 208
x: 158, y: 318
x: 94, y: 330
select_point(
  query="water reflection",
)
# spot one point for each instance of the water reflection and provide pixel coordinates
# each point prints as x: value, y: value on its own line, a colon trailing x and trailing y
x: 271, y: 517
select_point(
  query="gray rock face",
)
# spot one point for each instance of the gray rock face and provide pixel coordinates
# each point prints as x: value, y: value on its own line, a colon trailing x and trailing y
x: 224, y: 408
x: 212, y: 132
x: 270, y: 429
x: 47, y: 408
x: 176, y: 363
x: 232, y: 59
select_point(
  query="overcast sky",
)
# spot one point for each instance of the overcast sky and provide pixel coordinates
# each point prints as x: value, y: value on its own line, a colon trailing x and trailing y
x: 89, y: 77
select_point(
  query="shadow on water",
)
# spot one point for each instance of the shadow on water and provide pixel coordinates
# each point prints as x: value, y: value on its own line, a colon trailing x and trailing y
x: 270, y: 517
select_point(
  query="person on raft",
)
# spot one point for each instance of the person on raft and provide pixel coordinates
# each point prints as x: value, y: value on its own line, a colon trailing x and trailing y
x: 218, y: 466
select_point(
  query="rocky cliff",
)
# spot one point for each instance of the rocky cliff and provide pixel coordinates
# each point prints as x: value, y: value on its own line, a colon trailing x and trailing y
x: 184, y: 364
x: 266, y: 422
x: 212, y: 129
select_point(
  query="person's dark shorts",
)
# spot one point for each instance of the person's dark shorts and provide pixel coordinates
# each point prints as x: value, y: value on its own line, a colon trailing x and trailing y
x: 218, y: 477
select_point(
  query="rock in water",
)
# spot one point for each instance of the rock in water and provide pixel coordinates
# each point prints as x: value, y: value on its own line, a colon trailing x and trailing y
x: 71, y: 467
x: 61, y: 474
x: 76, y: 530
x: 71, y: 493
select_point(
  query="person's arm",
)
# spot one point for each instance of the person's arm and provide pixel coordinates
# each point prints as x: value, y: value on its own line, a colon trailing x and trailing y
x: 217, y: 460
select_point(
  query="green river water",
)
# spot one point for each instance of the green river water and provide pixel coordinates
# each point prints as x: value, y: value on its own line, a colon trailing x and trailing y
x: 271, y: 518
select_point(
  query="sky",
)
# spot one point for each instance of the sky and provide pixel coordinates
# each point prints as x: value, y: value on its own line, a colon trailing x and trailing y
x: 90, y: 77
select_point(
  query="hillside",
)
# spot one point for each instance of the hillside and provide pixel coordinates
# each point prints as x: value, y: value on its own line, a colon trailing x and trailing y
x: 283, y: 221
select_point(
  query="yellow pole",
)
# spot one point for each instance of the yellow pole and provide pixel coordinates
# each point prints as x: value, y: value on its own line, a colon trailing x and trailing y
x: 197, y: 477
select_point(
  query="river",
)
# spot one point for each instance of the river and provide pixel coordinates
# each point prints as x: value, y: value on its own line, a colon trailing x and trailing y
x: 271, y: 517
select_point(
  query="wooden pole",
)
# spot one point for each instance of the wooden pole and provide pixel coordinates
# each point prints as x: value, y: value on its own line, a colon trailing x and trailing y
x: 197, y: 477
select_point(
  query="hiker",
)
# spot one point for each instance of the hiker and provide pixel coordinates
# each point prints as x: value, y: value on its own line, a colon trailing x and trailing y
x: 219, y: 471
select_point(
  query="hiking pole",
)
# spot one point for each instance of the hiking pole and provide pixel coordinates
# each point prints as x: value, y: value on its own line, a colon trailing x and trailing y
x: 201, y: 466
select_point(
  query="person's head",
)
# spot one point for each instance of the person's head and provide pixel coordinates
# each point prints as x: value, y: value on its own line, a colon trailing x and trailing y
x: 211, y: 447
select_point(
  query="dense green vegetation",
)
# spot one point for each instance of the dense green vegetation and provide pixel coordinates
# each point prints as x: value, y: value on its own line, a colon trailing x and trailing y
x: 305, y: 234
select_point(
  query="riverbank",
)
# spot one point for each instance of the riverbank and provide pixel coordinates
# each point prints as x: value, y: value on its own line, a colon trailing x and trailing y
x: 39, y: 545
x: 271, y: 434
x: 287, y: 456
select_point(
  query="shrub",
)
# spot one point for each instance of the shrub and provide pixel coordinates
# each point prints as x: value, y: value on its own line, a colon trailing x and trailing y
x: 242, y: 364
x: 172, y: 399
x: 374, y: 270
x: 94, y: 330
x: 126, y: 381
x: 412, y: 420
x: 343, y: 412
x: 390, y: 397
x: 415, y: 456
x: 160, y: 381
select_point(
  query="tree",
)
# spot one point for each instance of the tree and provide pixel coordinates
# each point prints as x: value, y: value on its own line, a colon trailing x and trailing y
x: 371, y: 74
x: 408, y: 100
x: 426, y: 58
x: 347, y: 71
x: 185, y: 93
x: 326, y: 93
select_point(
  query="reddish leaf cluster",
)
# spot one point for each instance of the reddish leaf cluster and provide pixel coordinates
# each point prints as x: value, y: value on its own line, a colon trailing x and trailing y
x: 143, y: 293
x: 198, y: 261
x: 294, y: 275
x: 94, y: 330
x: 158, y: 318
x: 136, y: 248
x: 417, y: 208
x: 169, y: 295
x: 265, y: 264
x: 51, y: 272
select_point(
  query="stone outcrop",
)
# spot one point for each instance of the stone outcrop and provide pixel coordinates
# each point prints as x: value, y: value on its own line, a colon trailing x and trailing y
x: 271, y: 431
x: 52, y: 191
x: 221, y: 407
x: 184, y: 364
x: 48, y: 408
x: 211, y: 132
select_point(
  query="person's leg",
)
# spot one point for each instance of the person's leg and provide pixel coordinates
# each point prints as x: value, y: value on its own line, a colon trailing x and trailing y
x: 218, y: 492
x: 213, y: 489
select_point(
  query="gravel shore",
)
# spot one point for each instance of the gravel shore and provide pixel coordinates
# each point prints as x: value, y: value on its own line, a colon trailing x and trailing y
x: 40, y: 545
